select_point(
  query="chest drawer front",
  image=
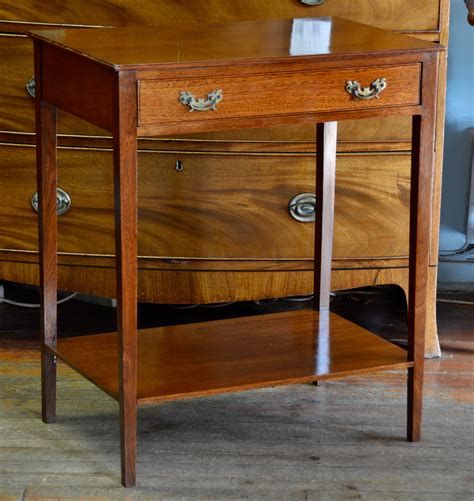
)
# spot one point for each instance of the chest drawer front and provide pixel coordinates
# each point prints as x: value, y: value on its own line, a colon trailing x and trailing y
x: 422, y: 15
x: 382, y: 134
x: 258, y: 95
x: 208, y: 209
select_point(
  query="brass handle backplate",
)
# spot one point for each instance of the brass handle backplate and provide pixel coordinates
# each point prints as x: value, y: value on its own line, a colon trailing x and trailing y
x: 30, y: 87
x: 201, y: 104
x: 375, y: 88
x: 63, y: 202
x: 312, y: 2
x: 302, y: 207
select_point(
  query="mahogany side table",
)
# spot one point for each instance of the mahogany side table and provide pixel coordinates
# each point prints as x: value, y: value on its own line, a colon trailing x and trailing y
x: 158, y: 81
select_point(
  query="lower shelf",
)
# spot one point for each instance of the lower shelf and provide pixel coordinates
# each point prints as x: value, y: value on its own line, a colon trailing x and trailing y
x: 235, y: 354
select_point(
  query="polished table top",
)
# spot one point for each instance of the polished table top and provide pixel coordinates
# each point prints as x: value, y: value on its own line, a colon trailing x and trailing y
x: 240, y: 42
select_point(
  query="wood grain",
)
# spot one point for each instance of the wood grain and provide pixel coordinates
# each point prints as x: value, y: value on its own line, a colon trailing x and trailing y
x: 17, y: 115
x: 243, y: 219
x: 17, y: 107
x: 126, y: 228
x: 226, y: 355
x: 391, y: 14
x: 185, y: 287
x: 420, y: 223
x: 197, y: 287
x: 46, y: 171
x: 239, y: 42
x: 326, y: 139
x: 317, y: 91
x: 81, y: 83
x: 438, y: 174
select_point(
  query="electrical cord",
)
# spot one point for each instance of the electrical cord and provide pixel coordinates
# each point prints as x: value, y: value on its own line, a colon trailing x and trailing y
x: 31, y: 305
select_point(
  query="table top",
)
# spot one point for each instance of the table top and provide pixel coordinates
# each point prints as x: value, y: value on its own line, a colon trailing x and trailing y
x: 126, y: 48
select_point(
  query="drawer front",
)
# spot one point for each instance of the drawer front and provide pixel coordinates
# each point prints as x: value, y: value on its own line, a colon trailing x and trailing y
x: 85, y: 176
x: 262, y: 95
x: 216, y: 206
x: 237, y: 206
x: 17, y: 106
x: 422, y: 15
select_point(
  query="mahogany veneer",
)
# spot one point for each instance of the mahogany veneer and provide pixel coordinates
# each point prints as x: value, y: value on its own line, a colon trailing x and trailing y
x: 129, y: 81
x: 227, y: 355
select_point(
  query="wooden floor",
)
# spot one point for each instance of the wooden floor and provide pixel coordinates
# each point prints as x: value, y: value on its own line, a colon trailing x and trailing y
x: 341, y: 440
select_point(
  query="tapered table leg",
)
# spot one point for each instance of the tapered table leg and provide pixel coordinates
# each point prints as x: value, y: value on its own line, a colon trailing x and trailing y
x: 47, y: 174
x: 326, y: 139
x: 46, y: 169
x: 125, y: 184
x: 423, y: 145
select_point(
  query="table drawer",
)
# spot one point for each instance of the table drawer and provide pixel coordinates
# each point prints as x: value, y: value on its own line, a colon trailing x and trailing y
x: 170, y: 101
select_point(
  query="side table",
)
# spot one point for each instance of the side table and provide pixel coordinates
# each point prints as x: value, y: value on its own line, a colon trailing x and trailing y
x: 157, y: 81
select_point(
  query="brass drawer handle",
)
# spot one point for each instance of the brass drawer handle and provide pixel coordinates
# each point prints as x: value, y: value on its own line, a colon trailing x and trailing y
x: 30, y: 87
x: 63, y: 202
x: 201, y: 104
x: 302, y: 207
x: 375, y: 88
x: 313, y: 2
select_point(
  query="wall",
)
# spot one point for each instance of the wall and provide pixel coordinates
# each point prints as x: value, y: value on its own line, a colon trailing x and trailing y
x: 457, y: 156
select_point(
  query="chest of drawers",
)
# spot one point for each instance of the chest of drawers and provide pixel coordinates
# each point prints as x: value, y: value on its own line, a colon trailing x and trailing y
x: 371, y: 245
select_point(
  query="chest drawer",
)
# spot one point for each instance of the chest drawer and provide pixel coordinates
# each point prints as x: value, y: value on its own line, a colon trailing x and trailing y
x: 422, y: 15
x: 171, y: 101
x: 208, y: 210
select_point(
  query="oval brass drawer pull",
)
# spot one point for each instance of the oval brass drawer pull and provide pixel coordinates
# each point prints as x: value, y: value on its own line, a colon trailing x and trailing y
x: 375, y: 88
x: 302, y: 207
x: 30, y: 87
x: 63, y: 202
x: 201, y: 104
x: 313, y: 2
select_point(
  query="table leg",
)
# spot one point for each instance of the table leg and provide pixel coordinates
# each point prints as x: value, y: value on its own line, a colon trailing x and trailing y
x: 326, y: 139
x: 423, y: 146
x: 47, y: 180
x: 126, y: 217
x: 46, y: 173
x: 419, y: 262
